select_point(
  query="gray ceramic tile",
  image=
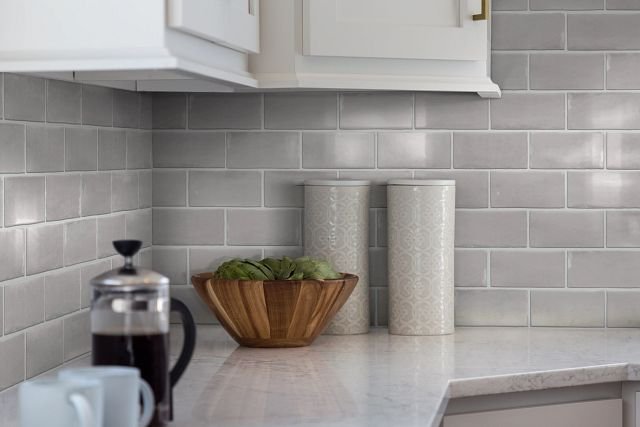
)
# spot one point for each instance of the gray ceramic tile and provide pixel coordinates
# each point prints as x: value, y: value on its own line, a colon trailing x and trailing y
x: 146, y: 255
x: 169, y: 188
x: 409, y: 150
x: 526, y: 31
x: 286, y: 189
x: 145, y: 189
x: 1, y: 95
x: 622, y: 309
x: 203, y: 260
x: 567, y: 308
x: 603, y: 189
x: 623, y: 151
x: 510, y: 70
x: 80, y: 241
x: 201, y: 313
x: 139, y: 226
x: 44, y: 347
x: 575, y: 150
x: 172, y: 262
x: 301, y: 110
x: 621, y: 70
x: 109, y: 228
x: 527, y: 269
x: 12, y: 143
x: 11, y: 254
x: 489, y: 150
x: 146, y: 110
x: 378, y: 179
x: 441, y: 110
x: 382, y: 309
x: 63, y: 196
x: 225, y: 111
x: 271, y: 227
x: 61, y: 293
x: 124, y: 187
x: 23, y: 200
x: 12, y: 354
x: 322, y: 150
x: 528, y: 111
x: 24, y: 304
x: 81, y: 149
x: 371, y: 110
x: 169, y: 111
x: 1, y: 202
x: 77, y: 335
x: 45, y: 149
x: 97, y: 105
x: 567, y: 71
x: 180, y: 149
x: 291, y: 251
x: 63, y: 102
x: 188, y: 227
x: 126, y: 109
x: 139, y: 149
x: 378, y: 267
x: 23, y: 97
x: 381, y: 235
x: 566, y: 229
x: 254, y: 150
x: 623, y: 4
x: 602, y: 269
x: 509, y: 5
x: 225, y: 188
x: 603, y: 31
x: 491, y: 228
x: 112, y: 151
x: 621, y: 110
x: 527, y: 189
x: 44, y: 248
x: 472, y: 187
x: 88, y: 272
x: 96, y: 194
x: 492, y: 307
x: 623, y: 229
x: 566, y: 4
x: 471, y: 268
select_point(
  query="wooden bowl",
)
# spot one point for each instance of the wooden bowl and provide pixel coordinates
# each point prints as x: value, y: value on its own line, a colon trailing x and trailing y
x: 274, y: 313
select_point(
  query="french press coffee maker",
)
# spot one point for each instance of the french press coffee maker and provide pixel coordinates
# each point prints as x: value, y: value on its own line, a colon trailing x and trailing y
x: 130, y: 326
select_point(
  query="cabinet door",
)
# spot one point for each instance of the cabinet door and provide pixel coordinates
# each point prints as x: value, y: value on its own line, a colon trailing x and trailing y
x: 414, y: 29
x: 232, y: 23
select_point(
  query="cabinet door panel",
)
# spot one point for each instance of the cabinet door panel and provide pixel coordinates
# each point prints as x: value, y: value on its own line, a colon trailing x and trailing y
x: 599, y: 413
x: 413, y: 29
x: 232, y: 23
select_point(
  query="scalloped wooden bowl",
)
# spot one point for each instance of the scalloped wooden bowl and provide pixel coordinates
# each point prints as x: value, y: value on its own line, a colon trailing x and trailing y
x: 274, y: 313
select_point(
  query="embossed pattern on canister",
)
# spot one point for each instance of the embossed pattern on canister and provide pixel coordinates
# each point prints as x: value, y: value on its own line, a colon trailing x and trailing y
x: 336, y: 228
x: 421, y: 217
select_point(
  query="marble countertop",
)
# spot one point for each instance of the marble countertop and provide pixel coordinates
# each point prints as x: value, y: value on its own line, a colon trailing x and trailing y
x: 382, y: 380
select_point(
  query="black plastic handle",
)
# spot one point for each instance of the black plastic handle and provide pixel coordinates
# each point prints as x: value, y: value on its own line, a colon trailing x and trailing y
x: 189, y: 328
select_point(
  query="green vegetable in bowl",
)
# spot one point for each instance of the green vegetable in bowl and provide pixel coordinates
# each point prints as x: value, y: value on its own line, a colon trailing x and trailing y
x: 276, y: 269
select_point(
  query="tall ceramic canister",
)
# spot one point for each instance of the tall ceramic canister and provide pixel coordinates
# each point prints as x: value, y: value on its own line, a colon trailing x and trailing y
x: 421, y: 220
x: 336, y: 228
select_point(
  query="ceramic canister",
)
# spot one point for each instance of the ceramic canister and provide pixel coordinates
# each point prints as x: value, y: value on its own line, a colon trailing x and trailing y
x: 336, y: 228
x: 421, y: 217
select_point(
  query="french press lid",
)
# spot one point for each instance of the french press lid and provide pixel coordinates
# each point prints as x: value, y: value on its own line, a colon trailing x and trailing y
x: 129, y: 277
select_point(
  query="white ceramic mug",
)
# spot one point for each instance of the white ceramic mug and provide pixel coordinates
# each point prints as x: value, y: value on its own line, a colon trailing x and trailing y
x: 61, y: 403
x: 122, y: 390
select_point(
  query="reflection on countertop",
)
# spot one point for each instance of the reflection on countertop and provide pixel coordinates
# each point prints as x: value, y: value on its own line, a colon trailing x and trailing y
x: 382, y: 380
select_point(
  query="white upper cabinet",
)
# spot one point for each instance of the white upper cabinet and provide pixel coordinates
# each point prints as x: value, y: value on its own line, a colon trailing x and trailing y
x: 428, y: 45
x: 411, y: 29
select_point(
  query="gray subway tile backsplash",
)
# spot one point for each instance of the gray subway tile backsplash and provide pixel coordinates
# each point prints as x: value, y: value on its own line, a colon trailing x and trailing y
x: 12, y: 144
x: 489, y: 229
x: 608, y: 189
x: 558, y: 150
x: 181, y: 149
x: 112, y: 149
x: 538, y: 189
x: 603, y: 110
x: 24, y: 98
x: 63, y: 102
x: 371, y: 110
x: 623, y: 150
x: 24, y: 304
x: 567, y: 71
x: 45, y: 149
x: 263, y: 150
x: 126, y: 109
x: 61, y: 293
x: 526, y: 269
x: 510, y: 70
x: 63, y: 196
x: 622, y: 308
x: 24, y: 200
x: 225, y: 188
x: 603, y: 269
x: 566, y: 4
x: 97, y: 105
x: 528, y: 111
x: 435, y: 110
x: 225, y: 111
x: 505, y: 150
x: 173, y: 226
x: 409, y: 150
x: 169, y: 111
x: 80, y: 241
x: 301, y: 110
x: 623, y: 229
x: 568, y: 308
x: 274, y: 227
x: 81, y: 149
x: 44, y: 248
x: 96, y: 194
x: 603, y: 31
x: 344, y: 150
x: 528, y: 31
x: 621, y: 68
x: 566, y: 229
x: 492, y: 307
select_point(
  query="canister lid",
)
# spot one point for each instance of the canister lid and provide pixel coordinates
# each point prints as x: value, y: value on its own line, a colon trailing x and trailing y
x: 422, y: 182
x: 337, y: 182
x: 129, y: 277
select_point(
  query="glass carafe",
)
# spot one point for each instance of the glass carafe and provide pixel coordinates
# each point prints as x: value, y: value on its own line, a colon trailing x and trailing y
x: 130, y: 326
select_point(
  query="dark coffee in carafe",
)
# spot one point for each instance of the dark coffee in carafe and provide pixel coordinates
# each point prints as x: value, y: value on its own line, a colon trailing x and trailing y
x: 130, y: 327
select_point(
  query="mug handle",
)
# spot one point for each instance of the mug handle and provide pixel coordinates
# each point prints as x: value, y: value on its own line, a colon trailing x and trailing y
x: 189, y: 328
x: 148, y: 403
x: 83, y: 409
